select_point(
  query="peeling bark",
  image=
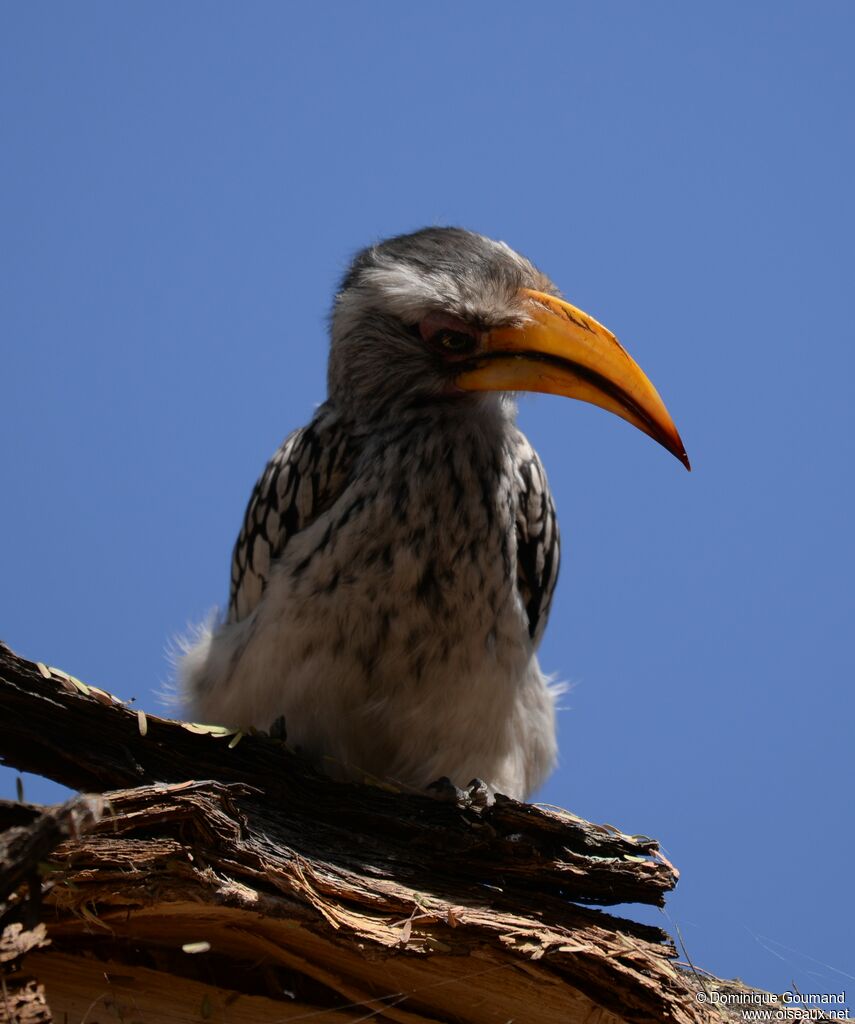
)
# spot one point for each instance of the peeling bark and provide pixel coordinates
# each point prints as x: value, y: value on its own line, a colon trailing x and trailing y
x: 223, y: 881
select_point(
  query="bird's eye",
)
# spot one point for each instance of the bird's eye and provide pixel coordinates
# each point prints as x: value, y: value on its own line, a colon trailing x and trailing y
x: 448, y: 334
x: 453, y: 341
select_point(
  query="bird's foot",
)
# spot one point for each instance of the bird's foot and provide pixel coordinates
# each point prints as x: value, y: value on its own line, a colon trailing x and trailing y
x: 444, y: 789
x: 477, y: 794
x: 480, y: 794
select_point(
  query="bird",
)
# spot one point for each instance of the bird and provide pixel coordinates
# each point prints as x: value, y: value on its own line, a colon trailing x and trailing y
x: 394, y: 572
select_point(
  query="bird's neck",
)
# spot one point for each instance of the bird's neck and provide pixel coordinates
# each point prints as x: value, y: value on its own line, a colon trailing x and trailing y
x: 485, y: 419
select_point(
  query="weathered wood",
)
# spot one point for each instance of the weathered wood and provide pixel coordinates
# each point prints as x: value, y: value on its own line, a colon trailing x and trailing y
x: 24, y: 845
x: 22, y: 1001
x: 113, y: 990
x: 28, y: 836
x: 209, y: 862
x: 90, y: 741
x: 226, y: 881
x: 22, y: 997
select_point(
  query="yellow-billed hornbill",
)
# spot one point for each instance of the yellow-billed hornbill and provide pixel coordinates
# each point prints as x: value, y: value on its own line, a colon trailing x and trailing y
x: 394, y: 572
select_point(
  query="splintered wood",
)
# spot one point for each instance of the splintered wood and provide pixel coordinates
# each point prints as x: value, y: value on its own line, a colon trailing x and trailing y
x: 217, y: 883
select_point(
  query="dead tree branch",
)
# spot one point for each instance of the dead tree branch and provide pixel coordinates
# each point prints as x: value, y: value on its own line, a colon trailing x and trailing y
x: 228, y: 881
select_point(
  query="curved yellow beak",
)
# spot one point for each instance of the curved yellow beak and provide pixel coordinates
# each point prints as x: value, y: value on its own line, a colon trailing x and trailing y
x: 563, y: 351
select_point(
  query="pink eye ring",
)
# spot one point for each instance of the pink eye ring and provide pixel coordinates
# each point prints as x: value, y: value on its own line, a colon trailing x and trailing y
x: 447, y: 333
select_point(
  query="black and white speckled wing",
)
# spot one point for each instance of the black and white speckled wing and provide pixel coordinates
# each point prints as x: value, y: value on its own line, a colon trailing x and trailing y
x: 538, y: 552
x: 303, y: 478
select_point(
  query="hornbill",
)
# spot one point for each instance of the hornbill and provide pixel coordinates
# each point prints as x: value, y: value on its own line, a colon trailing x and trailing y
x: 393, y: 576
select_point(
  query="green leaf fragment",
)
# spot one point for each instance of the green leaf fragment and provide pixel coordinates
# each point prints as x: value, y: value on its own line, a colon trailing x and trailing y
x: 200, y: 729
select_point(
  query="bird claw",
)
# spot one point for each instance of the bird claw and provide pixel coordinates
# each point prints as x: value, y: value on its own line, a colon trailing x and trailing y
x: 444, y: 789
x: 477, y: 794
x: 480, y: 794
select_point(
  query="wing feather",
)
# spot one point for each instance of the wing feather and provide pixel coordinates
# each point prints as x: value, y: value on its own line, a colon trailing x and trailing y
x: 538, y: 546
x: 304, y: 477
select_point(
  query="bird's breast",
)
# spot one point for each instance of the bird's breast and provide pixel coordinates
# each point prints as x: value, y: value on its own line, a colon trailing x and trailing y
x: 414, y: 566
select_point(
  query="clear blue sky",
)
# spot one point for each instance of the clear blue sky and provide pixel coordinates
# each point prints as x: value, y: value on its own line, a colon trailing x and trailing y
x: 183, y: 184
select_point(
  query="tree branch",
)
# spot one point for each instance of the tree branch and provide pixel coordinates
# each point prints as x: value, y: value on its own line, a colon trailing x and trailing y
x: 228, y: 881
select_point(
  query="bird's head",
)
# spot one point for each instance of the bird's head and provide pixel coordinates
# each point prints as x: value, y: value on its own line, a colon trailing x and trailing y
x: 445, y: 315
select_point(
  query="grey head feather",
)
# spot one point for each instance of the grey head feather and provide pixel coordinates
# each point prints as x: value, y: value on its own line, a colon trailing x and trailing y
x: 377, y: 359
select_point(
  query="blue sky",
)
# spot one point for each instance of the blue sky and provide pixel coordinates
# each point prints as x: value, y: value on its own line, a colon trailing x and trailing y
x: 182, y: 186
